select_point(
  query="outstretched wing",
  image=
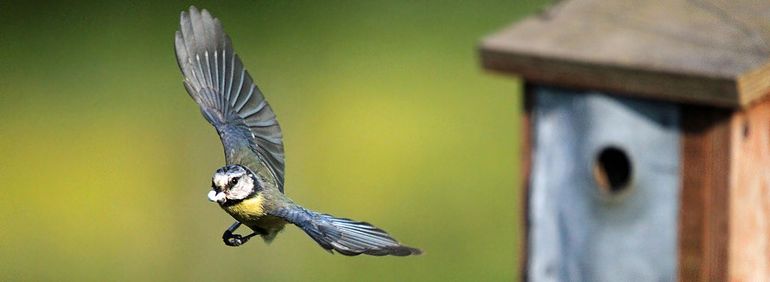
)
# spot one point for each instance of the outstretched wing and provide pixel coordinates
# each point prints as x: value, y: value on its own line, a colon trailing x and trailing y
x: 228, y: 98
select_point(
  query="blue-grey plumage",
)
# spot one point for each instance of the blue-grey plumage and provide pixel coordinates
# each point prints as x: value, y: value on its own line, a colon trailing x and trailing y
x: 343, y: 235
x: 216, y: 79
x: 250, y: 186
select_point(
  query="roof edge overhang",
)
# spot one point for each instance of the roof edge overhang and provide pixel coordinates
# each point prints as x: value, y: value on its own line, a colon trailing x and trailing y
x: 629, y: 80
x: 674, y: 50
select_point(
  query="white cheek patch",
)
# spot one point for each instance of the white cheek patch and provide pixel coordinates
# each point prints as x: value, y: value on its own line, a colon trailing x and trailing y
x: 220, y: 180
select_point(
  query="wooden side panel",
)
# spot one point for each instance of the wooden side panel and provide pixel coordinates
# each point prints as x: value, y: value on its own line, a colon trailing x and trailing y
x: 750, y: 195
x: 703, y: 216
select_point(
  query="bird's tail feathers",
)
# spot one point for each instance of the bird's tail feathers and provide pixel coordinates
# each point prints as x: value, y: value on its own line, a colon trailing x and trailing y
x: 347, y: 237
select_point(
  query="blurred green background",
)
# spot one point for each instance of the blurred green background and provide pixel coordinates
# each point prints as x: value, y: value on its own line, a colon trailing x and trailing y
x: 387, y: 117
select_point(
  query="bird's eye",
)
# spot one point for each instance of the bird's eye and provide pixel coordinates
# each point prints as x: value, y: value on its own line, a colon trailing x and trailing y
x: 233, y: 181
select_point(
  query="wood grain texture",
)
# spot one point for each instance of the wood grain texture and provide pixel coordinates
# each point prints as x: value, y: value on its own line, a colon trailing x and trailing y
x: 750, y: 195
x: 711, y: 52
x: 703, y: 217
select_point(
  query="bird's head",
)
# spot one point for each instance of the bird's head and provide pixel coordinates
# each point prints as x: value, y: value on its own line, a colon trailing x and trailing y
x: 232, y: 183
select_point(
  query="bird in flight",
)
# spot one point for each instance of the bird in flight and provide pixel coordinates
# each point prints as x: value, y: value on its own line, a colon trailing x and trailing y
x: 250, y: 186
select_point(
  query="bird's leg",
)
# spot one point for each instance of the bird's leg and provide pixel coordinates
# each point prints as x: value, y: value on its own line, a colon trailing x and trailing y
x: 235, y: 240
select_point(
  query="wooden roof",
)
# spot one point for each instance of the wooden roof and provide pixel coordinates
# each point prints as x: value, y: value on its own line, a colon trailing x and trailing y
x: 693, y: 51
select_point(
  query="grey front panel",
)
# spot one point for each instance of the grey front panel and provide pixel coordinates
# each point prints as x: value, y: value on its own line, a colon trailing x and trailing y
x: 580, y: 232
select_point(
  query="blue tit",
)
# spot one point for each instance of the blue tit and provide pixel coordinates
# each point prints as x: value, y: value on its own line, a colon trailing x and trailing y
x: 251, y: 186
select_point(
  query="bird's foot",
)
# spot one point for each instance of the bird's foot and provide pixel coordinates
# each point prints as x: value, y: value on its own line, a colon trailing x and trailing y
x: 235, y: 240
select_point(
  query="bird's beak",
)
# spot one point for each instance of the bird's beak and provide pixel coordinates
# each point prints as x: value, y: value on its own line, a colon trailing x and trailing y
x: 218, y: 197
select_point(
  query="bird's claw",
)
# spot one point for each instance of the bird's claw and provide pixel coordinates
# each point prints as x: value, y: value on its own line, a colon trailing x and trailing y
x: 234, y: 240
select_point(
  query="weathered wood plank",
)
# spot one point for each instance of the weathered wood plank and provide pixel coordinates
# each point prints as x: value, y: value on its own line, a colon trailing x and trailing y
x: 703, y: 216
x: 696, y: 51
x: 615, y: 79
x: 750, y: 195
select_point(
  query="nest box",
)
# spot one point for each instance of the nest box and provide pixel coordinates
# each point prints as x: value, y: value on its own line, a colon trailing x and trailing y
x: 646, y: 139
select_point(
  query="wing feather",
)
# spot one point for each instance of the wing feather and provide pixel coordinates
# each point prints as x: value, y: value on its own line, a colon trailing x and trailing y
x: 216, y: 79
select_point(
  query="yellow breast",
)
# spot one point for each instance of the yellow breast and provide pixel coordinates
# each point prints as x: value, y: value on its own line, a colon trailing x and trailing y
x: 248, y: 209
